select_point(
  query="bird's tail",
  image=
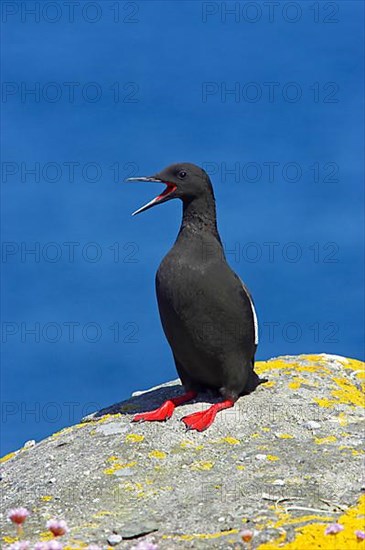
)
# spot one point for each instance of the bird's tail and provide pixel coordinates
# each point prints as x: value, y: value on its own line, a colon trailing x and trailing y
x: 253, y: 380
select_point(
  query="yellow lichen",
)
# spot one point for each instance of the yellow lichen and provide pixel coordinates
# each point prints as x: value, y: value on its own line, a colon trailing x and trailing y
x: 273, y: 458
x: 47, y: 498
x: 315, y: 358
x: 64, y: 431
x: 342, y: 419
x: 7, y: 457
x: 76, y: 545
x: 110, y: 471
x: 118, y: 466
x: 186, y: 443
x: 230, y: 440
x: 285, y: 436
x: 324, y: 402
x: 302, y: 519
x: 106, y: 417
x: 80, y: 425
x: 348, y: 393
x: 69, y: 429
x: 264, y: 366
x: 353, y: 364
x: 202, y: 465
x: 296, y: 383
x: 157, y: 454
x: 45, y: 536
x: 324, y: 440
x: 313, y: 537
x: 134, y: 438
x: 279, y: 364
x: 101, y: 514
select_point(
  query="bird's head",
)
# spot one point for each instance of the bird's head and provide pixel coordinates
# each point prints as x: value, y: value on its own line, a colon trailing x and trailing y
x: 183, y: 181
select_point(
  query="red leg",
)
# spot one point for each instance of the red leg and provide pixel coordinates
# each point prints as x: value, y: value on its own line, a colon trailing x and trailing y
x: 167, y: 408
x: 200, y: 421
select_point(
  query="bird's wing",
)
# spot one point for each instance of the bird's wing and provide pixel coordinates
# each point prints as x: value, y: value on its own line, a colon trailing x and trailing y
x: 255, y: 321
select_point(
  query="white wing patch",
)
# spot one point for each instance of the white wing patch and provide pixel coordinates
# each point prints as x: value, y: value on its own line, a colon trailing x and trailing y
x: 255, y: 321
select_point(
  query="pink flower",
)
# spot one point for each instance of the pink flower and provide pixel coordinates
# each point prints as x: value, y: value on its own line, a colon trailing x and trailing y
x: 360, y: 535
x: 57, y: 527
x: 50, y: 545
x: 54, y: 545
x: 246, y: 535
x: 18, y: 515
x: 23, y: 545
x: 333, y: 529
x: 145, y: 545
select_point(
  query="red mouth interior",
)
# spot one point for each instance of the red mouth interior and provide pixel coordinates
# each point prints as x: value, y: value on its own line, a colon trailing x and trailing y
x: 170, y: 187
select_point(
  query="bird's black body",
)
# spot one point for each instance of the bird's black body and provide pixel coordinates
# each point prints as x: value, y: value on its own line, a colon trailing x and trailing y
x: 206, y: 312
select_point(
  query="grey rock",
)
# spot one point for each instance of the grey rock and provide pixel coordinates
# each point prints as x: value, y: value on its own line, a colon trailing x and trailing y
x: 112, y: 428
x: 200, y: 489
x: 125, y: 472
x: 138, y: 529
x: 313, y: 425
x: 113, y: 540
x: 261, y: 457
x: 279, y: 482
x: 29, y: 444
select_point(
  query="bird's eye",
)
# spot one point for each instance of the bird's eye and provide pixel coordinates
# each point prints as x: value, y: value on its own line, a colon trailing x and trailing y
x: 182, y: 174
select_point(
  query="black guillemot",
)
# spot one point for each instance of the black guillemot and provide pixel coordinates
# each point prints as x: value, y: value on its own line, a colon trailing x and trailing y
x: 207, y: 313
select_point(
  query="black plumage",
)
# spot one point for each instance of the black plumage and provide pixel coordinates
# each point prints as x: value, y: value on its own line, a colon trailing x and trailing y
x: 206, y: 312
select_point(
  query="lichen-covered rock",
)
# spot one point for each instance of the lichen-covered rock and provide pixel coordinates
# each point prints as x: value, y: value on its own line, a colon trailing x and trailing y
x: 285, y: 462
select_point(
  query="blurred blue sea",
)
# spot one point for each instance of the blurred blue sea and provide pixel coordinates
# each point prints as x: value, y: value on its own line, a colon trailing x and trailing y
x: 269, y: 102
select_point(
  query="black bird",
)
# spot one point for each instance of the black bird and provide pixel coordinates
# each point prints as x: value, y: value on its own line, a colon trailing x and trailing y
x: 206, y: 311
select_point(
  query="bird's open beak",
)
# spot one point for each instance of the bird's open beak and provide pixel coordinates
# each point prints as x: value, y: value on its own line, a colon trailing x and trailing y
x: 170, y: 188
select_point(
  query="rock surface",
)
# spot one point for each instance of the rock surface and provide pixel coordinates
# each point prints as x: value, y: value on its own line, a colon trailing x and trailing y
x: 285, y: 462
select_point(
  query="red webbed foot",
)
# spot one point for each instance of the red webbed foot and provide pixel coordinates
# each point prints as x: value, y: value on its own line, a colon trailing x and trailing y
x: 200, y: 421
x: 165, y: 411
x: 162, y: 413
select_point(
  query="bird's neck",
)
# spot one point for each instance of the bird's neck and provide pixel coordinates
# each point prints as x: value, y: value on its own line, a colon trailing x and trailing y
x: 199, y: 214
